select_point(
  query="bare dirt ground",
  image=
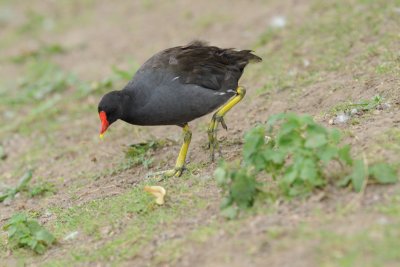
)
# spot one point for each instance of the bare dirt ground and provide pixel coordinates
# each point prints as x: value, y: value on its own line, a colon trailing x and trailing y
x: 63, y: 148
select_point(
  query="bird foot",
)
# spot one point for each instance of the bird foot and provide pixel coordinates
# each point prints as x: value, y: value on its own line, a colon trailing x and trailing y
x: 177, y: 171
x: 213, y: 143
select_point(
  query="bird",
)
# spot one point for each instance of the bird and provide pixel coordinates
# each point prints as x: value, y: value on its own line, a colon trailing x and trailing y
x: 176, y: 86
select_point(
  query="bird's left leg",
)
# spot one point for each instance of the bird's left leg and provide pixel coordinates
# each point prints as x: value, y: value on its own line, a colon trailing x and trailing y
x: 180, y: 161
x: 218, y: 117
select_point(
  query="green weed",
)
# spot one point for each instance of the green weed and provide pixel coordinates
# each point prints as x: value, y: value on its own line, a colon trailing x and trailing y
x: 43, y: 188
x: 42, y: 52
x: 364, y: 105
x: 27, y: 233
x: 296, y: 152
x: 10, y: 193
x: 140, y: 154
x: 382, y: 173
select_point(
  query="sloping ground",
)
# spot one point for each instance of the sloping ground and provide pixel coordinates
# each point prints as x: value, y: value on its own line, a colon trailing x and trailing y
x: 327, y: 54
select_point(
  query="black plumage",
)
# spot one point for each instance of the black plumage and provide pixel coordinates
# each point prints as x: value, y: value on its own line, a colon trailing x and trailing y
x: 178, y: 85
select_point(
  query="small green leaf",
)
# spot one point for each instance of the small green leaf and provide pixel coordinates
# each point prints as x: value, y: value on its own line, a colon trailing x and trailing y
x: 383, y: 173
x: 15, y: 219
x: 40, y: 248
x: 243, y: 189
x: 290, y: 175
x: 359, y: 175
x: 335, y: 136
x: 277, y: 157
x: 316, y: 140
x: 308, y: 171
x: 253, y: 142
x: 344, y: 181
x: 344, y: 155
x: 327, y: 153
x: 45, y: 236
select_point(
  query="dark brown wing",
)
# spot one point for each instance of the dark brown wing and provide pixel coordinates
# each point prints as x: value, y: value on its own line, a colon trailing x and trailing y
x: 207, y: 66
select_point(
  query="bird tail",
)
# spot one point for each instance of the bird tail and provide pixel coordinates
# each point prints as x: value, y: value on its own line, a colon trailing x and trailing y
x: 243, y: 57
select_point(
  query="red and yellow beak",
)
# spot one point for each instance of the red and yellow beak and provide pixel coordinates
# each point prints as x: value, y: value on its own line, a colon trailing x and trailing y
x: 104, y: 123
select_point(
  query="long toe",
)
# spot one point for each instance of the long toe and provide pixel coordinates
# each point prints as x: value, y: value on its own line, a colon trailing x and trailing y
x: 223, y: 123
x: 214, y: 146
x: 166, y: 174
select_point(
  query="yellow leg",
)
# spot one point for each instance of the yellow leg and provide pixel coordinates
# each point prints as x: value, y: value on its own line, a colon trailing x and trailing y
x: 218, y: 117
x: 180, y: 161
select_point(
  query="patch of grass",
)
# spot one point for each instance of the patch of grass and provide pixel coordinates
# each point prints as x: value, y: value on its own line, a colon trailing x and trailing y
x: 326, y: 42
x: 10, y: 193
x: 172, y: 250
x: 35, y: 22
x: 41, y: 52
x: 140, y: 154
x: 134, y: 217
x: 46, y: 91
x: 374, y: 245
x: 42, y: 79
x: 38, y: 189
x: 364, y: 105
x: 140, y: 149
x: 27, y: 233
x: 42, y: 189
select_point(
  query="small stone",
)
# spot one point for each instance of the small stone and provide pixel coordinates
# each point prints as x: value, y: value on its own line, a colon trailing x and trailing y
x: 353, y: 111
x: 71, y: 235
x: 278, y: 22
x: 385, y: 106
x: 306, y: 62
x: 331, y: 121
x: 341, y: 118
x: 47, y: 214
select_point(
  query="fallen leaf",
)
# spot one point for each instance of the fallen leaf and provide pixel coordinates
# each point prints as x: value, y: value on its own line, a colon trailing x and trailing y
x: 157, y: 191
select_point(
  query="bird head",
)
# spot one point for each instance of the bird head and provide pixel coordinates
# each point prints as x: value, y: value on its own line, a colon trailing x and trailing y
x: 110, y: 110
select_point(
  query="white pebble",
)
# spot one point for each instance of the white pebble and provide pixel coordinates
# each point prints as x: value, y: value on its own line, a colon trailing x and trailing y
x: 341, y: 118
x: 278, y: 22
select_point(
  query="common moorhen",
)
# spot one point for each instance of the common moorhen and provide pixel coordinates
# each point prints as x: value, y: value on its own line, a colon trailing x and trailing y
x: 178, y: 85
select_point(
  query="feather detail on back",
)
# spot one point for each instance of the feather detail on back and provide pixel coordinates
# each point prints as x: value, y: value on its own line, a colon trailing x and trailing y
x: 207, y: 66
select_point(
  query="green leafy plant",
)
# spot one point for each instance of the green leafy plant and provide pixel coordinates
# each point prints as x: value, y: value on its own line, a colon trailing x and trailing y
x: 295, y: 153
x: 10, y: 193
x: 299, y: 154
x: 381, y: 172
x: 27, y: 233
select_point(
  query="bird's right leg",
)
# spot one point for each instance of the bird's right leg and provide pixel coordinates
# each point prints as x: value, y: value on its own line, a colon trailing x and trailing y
x: 218, y: 117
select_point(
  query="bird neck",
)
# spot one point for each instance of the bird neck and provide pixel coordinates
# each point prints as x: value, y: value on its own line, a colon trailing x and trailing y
x: 127, y: 107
